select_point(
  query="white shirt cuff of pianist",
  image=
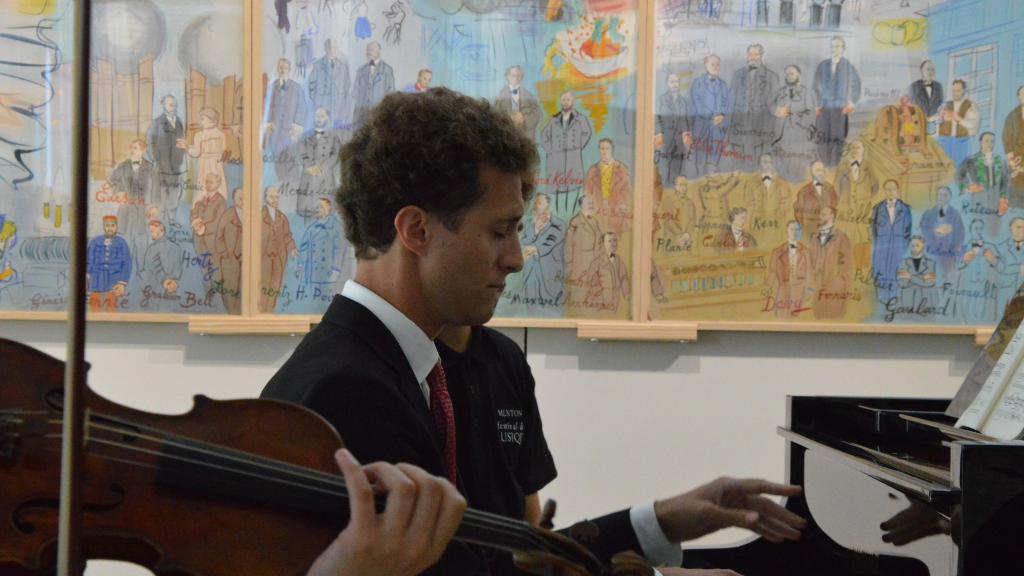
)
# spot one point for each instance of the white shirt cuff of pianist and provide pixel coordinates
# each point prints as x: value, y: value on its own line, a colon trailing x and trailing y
x: 657, y: 549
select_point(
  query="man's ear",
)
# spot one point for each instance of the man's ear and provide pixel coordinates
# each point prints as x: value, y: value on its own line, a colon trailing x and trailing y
x: 411, y: 229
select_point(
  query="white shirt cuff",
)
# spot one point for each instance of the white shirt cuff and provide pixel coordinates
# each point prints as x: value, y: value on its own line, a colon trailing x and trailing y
x: 657, y: 548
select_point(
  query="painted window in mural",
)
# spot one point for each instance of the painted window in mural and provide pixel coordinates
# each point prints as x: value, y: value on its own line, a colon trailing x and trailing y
x: 563, y: 70
x: 165, y: 170
x: 847, y: 161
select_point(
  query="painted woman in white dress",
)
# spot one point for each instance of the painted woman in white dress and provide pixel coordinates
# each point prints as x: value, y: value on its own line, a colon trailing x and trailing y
x: 208, y: 145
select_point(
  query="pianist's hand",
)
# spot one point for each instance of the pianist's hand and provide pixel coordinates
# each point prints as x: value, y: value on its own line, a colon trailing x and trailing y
x: 915, y: 522
x: 728, y: 502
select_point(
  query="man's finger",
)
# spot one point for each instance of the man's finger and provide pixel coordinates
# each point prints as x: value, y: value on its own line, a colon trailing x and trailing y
x: 360, y: 494
x: 401, y: 495
x: 428, y: 501
x: 723, y: 517
x: 781, y: 531
x: 758, y: 486
x: 772, y: 510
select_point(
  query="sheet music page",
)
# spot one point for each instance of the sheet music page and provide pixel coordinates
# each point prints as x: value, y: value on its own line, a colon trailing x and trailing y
x: 1007, y: 419
x: 1004, y: 370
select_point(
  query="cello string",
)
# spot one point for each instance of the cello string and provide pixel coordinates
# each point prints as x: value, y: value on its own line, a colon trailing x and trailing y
x: 474, y: 518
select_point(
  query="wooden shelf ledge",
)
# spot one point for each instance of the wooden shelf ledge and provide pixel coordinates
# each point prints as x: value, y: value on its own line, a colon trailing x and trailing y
x: 637, y: 331
x: 263, y: 325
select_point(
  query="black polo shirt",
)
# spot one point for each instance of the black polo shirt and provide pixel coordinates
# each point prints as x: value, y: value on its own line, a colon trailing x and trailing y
x: 500, y: 447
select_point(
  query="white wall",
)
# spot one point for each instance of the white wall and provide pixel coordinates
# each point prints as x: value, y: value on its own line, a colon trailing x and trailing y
x: 626, y: 422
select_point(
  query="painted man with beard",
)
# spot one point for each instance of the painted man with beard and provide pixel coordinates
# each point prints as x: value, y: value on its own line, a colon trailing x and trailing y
x: 753, y: 89
x: 518, y: 103
x: 837, y: 87
x: 163, y: 136
x: 672, y: 131
x: 161, y: 269
x: 318, y: 155
x: 329, y: 82
x: 278, y: 246
x: 563, y: 139
x: 793, y: 147
x: 812, y: 197
x: 709, y: 95
x: 583, y: 240
x: 543, y: 241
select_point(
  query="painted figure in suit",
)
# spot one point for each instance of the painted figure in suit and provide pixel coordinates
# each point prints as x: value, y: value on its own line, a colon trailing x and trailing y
x: 563, y: 139
x: 543, y: 241
x: 891, y: 222
x: 329, y: 83
x: 832, y: 265
x: 518, y: 103
x: 943, y: 230
x: 1013, y: 145
x: 134, y: 184
x: 709, y: 96
x: 790, y: 274
x: 793, y: 147
x: 1011, y: 263
x: 812, y: 197
x: 161, y: 270
x: 736, y: 238
x: 422, y: 83
x: 857, y: 187
x: 977, y: 292
x: 607, y: 183
x: 837, y: 88
x: 672, y: 134
x: 319, y: 157
x: 206, y: 212
x: 278, y: 246
x: 374, y: 81
x: 285, y: 118
x: 753, y: 91
x: 985, y: 179
x: 108, y: 268
x: 163, y: 136
x: 676, y: 218
x: 916, y: 276
x: 323, y: 250
x: 958, y: 122
x: 609, y: 278
x: 228, y: 243
x: 926, y: 93
x: 583, y: 246
x: 769, y: 199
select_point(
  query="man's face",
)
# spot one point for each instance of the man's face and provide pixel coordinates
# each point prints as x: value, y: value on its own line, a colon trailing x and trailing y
x: 611, y: 243
x: 792, y: 76
x: 323, y: 209
x: 330, y: 49
x: 977, y: 228
x: 857, y: 150
x: 424, y: 79
x: 541, y: 206
x: 515, y: 77
x: 793, y: 232
x: 928, y: 72
x: 958, y: 91
x: 681, y: 186
x: 943, y: 196
x: 136, y: 152
x: 917, y: 247
x: 605, y: 150
x: 767, y: 166
x: 987, y: 143
x: 740, y: 221
x: 838, y: 49
x: 892, y: 190
x: 156, y: 232
x: 322, y: 118
x: 818, y: 171
x: 283, y: 68
x: 372, y: 51
x: 713, y: 65
x: 273, y: 197
x: 109, y: 228
x: 170, y: 105
x: 567, y: 101
x: 673, y: 83
x: 212, y: 183
x: 464, y: 270
x: 754, y: 56
x: 1017, y: 230
x: 587, y: 207
x: 827, y: 217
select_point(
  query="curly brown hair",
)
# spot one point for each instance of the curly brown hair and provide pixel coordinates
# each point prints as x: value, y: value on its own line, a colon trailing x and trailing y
x: 424, y: 150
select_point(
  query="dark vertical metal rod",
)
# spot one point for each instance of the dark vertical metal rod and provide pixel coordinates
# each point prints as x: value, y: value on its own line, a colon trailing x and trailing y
x: 69, y: 535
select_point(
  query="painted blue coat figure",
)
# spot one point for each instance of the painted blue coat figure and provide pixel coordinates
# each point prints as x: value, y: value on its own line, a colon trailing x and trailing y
x: 1011, y: 264
x: 329, y: 84
x: 943, y: 230
x: 108, y: 266
x: 890, y: 231
x: 837, y: 87
x: 285, y: 118
x: 323, y: 250
x: 543, y: 242
x: 917, y: 277
x: 976, y: 289
x: 984, y: 180
x: 374, y: 81
x: 563, y: 138
x: 709, y: 95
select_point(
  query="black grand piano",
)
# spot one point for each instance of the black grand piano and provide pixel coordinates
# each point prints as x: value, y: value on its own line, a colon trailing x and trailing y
x: 952, y: 499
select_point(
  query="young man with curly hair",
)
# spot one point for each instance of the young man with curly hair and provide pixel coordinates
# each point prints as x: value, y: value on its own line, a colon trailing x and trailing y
x: 433, y: 190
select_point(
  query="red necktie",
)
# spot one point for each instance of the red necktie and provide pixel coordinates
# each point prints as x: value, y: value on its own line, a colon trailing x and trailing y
x: 444, y: 416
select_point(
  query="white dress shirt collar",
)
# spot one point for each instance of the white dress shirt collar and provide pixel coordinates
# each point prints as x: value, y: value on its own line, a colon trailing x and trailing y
x: 418, y: 348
